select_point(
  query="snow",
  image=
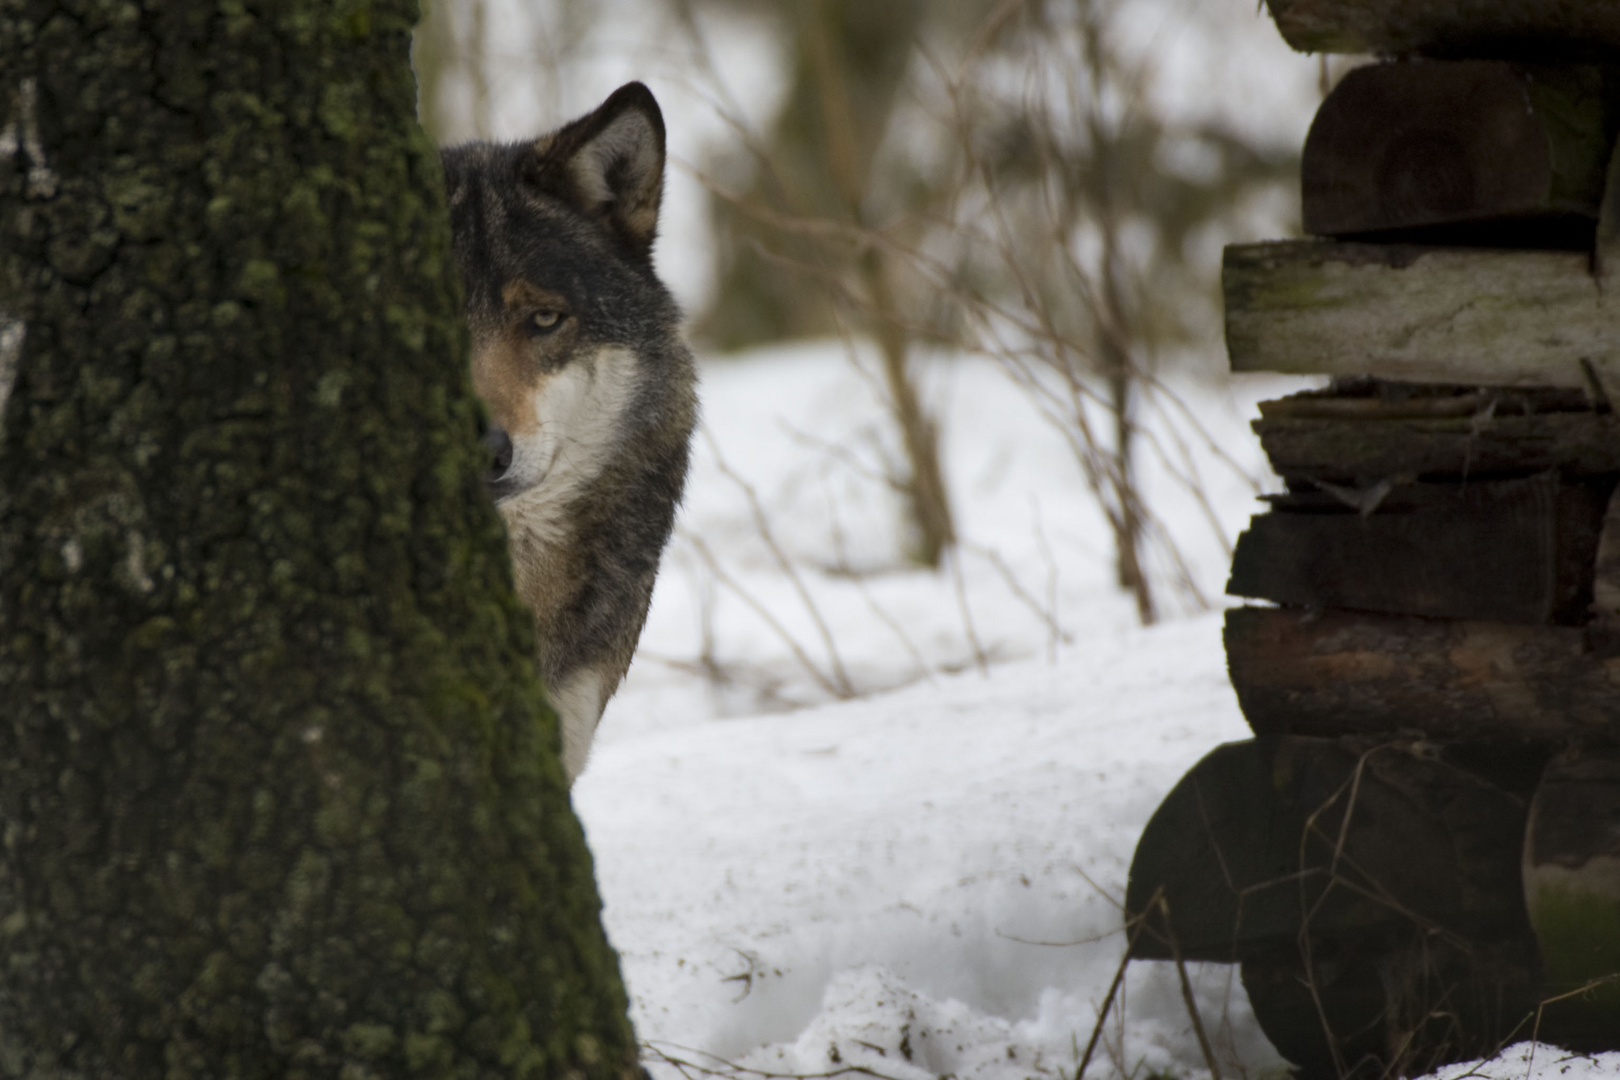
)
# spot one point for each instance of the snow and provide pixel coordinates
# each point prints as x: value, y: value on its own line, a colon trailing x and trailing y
x: 924, y: 879
x: 946, y: 859
x: 804, y: 430
x: 1525, y: 1059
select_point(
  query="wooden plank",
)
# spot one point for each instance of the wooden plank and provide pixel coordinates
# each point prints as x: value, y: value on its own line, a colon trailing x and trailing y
x: 1246, y: 843
x: 1363, y: 452
x: 1420, y: 314
x: 1508, y: 28
x: 1337, y: 672
x: 1513, y: 551
x: 1363, y: 398
x: 1502, y: 148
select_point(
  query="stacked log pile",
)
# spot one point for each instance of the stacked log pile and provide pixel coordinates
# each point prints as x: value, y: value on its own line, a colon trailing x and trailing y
x: 1417, y: 859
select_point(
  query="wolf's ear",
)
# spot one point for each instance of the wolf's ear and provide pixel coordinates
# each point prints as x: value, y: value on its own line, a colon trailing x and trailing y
x: 610, y: 165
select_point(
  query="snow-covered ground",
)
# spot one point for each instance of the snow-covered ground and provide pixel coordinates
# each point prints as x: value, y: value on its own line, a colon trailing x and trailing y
x: 849, y: 815
x: 923, y: 880
x: 943, y: 862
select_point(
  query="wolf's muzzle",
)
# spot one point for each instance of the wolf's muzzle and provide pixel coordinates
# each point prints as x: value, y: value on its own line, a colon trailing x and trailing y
x: 499, y: 462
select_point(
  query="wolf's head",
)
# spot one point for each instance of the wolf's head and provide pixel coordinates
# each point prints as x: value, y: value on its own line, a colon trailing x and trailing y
x: 590, y: 391
x: 554, y: 240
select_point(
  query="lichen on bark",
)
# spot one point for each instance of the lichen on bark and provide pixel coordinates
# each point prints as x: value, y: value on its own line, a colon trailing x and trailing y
x: 279, y: 794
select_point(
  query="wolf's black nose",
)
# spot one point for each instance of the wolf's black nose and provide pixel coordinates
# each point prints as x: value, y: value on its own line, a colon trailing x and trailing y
x: 499, y: 445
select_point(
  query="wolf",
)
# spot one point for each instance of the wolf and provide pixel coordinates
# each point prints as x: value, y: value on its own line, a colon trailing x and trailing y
x: 589, y: 390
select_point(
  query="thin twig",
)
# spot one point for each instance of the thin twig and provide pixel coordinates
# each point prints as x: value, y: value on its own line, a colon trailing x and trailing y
x: 866, y: 594
x: 733, y: 1069
x: 980, y: 660
x: 841, y: 686
x: 1108, y: 1002
x: 820, y: 677
x: 1187, y: 993
x: 1050, y: 562
x: 993, y: 557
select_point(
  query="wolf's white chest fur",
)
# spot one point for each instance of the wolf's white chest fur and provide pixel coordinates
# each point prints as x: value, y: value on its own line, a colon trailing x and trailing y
x: 579, y: 703
x: 579, y: 419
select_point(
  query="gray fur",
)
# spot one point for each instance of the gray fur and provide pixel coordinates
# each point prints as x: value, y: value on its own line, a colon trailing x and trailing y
x: 569, y: 218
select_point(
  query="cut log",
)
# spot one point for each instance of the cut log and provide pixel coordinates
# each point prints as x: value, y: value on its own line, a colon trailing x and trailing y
x: 1513, y: 551
x: 1420, y: 314
x: 1337, y: 672
x: 1404, y: 1008
x: 1481, y: 143
x: 1363, y: 431
x: 1253, y: 846
x: 1499, y: 28
x: 1606, y: 248
x: 1366, y: 451
x: 1606, y: 573
x: 1572, y: 891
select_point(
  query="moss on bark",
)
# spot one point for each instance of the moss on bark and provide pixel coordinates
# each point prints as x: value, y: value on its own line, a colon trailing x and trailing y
x: 279, y: 794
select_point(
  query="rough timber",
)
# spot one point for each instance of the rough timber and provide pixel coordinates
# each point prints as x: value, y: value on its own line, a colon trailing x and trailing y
x: 1420, y: 314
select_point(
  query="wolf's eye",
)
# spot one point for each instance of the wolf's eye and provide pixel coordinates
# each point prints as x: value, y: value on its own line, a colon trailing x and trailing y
x: 544, y: 322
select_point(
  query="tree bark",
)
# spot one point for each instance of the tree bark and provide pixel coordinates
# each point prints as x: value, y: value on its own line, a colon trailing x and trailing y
x: 280, y: 793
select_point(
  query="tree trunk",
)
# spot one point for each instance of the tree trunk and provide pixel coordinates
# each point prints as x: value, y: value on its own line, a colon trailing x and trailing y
x: 849, y: 66
x: 849, y: 153
x: 810, y: 168
x: 280, y: 794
